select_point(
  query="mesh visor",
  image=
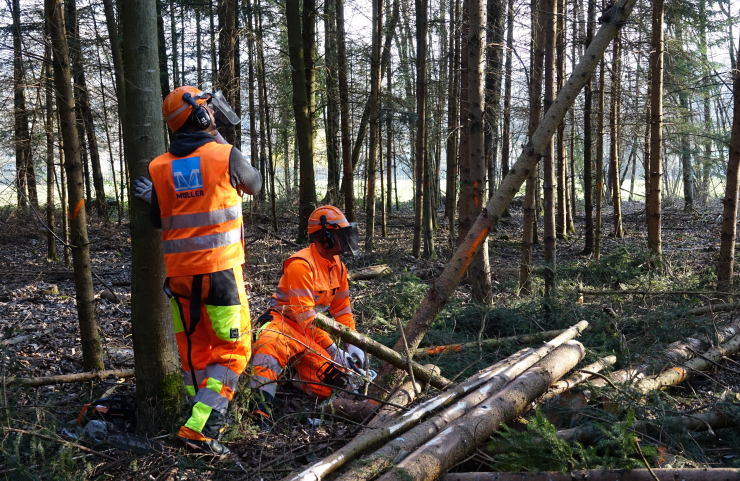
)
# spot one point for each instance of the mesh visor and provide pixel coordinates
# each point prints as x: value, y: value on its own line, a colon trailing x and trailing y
x: 349, y: 239
x: 222, y: 111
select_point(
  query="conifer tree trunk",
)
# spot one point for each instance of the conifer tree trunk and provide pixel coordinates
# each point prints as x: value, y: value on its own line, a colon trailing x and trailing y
x: 374, y: 101
x: 589, y: 246
x: 164, y: 75
x: 228, y: 81
x: 725, y: 267
x: 253, y: 138
x: 266, y: 115
x: 452, y: 119
x: 159, y: 387
x: 25, y: 176
x: 173, y: 39
x: 332, y: 104
x: 421, y: 70
x: 389, y: 145
x: 302, y: 111
x: 614, y: 151
x: 548, y: 162
x: 348, y: 172
x: 494, y: 64
x: 51, y: 251
x: 535, y: 111
x: 562, y: 187
x: 506, y: 136
x: 92, y: 358
x: 599, y: 161
x: 656, y: 130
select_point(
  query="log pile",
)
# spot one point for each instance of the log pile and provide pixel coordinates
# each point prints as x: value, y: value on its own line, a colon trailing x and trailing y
x: 426, y: 441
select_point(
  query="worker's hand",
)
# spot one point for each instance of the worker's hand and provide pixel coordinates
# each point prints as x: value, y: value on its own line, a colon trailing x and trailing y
x: 143, y: 189
x: 358, y: 357
x: 340, y: 356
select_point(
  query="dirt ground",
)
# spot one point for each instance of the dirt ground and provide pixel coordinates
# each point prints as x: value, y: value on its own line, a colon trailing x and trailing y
x: 37, y: 301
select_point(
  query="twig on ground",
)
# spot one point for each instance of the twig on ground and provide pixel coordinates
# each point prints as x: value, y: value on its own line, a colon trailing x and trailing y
x: 644, y: 461
x: 49, y: 438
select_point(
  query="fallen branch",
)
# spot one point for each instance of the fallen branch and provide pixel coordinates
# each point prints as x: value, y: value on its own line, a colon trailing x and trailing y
x: 380, y: 351
x: 26, y: 337
x: 700, y: 311
x: 567, y: 354
x: 63, y: 441
x: 642, y: 292
x: 65, y: 378
x: 678, y: 374
x: 667, y: 474
x: 522, y: 338
x: 461, y: 438
x: 497, y: 376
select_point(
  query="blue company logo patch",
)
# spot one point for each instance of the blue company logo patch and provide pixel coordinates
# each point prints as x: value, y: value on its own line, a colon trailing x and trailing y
x: 186, y: 174
x: 316, y: 298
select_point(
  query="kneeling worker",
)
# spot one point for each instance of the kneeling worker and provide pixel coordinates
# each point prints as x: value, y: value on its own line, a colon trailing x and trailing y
x: 314, y: 280
x: 195, y: 199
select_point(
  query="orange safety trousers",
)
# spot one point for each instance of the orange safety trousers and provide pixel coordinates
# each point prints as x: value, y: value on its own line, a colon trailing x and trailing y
x: 282, y: 341
x: 211, y: 320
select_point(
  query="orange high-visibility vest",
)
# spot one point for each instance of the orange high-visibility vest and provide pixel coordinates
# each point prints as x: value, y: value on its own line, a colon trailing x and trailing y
x: 318, y: 287
x: 201, y: 211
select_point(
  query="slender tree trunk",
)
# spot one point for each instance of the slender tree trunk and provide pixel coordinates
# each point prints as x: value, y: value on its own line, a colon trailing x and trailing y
x: 51, y: 251
x: 599, y: 161
x: 452, y: 119
x: 348, y: 171
x: 614, y: 151
x: 726, y: 263
x: 173, y: 34
x: 686, y: 169
x: 589, y: 247
x: 506, y: 139
x: 562, y: 187
x: 548, y: 162
x: 389, y: 145
x: 159, y: 386
x: 164, y: 75
x: 535, y: 112
x: 473, y: 195
x: 253, y: 138
x: 421, y: 70
x: 25, y: 178
x: 62, y: 188
x: 92, y: 358
x: 302, y: 111
x: 494, y: 64
x: 332, y: 103
x: 656, y: 129
x: 228, y: 81
x: 198, y: 50
x: 374, y: 101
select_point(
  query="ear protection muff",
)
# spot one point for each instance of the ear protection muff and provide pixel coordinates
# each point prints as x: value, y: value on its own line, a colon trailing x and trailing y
x: 326, y: 239
x: 199, y: 115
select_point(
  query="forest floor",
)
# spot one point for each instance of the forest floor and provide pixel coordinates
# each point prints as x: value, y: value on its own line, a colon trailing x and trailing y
x: 632, y: 327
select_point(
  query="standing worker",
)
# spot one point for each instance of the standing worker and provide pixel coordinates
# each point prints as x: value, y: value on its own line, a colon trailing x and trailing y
x: 314, y: 280
x: 195, y: 199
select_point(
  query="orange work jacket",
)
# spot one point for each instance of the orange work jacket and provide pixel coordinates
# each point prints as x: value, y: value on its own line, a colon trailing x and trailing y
x: 312, y: 284
x: 202, y: 224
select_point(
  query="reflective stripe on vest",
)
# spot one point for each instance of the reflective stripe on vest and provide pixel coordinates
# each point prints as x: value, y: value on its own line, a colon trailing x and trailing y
x: 202, y: 219
x: 211, y: 241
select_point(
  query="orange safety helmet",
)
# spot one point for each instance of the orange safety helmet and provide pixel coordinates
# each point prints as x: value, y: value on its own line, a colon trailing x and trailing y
x: 329, y: 217
x: 334, y: 218
x: 176, y: 111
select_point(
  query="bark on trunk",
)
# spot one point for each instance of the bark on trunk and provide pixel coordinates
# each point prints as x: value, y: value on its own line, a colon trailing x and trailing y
x: 588, y: 249
x: 228, y: 81
x: 67, y: 378
x: 452, y: 120
x: 462, y: 437
x: 614, y: 151
x: 667, y: 474
x: 348, y: 173
x: 420, y: 151
x: 158, y: 374
x: 92, y: 358
x: 656, y: 130
x: 51, y: 251
x: 726, y: 262
x: 445, y: 285
x: 548, y: 162
x: 374, y: 102
x: 599, y: 161
x: 25, y: 178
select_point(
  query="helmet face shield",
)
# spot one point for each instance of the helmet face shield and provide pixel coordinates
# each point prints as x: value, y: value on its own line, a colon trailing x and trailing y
x: 349, y: 239
x: 222, y: 111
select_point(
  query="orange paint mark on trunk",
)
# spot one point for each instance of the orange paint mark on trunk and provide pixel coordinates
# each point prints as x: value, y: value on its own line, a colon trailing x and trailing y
x: 73, y: 215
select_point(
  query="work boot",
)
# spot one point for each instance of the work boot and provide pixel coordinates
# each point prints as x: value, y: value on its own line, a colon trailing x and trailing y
x: 198, y: 442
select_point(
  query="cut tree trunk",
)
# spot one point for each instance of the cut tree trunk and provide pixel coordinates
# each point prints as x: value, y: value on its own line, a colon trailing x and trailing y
x: 462, y: 437
x: 487, y: 343
x: 67, y: 378
x: 667, y: 474
x: 446, y: 284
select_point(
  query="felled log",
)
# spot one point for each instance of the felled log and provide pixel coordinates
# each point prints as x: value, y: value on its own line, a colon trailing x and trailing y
x: 678, y: 374
x: 380, y: 351
x: 461, y: 438
x: 524, y: 359
x: 577, y: 377
x: 668, y: 474
x: 410, y: 441
x: 523, y: 338
x: 676, y: 353
x: 404, y: 395
x: 700, y: 311
x: 66, y: 378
